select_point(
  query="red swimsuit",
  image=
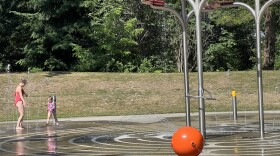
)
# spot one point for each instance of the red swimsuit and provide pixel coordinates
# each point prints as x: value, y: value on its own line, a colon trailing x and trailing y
x: 17, y: 98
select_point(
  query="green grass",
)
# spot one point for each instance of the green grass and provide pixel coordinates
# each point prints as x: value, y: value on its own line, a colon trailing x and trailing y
x: 101, y: 94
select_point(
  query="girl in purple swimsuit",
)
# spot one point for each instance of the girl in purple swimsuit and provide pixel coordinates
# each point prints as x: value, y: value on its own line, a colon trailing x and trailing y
x: 51, y: 110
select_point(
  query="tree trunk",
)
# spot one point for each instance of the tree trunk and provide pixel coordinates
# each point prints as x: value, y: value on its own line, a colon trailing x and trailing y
x: 269, y: 47
x: 179, y: 58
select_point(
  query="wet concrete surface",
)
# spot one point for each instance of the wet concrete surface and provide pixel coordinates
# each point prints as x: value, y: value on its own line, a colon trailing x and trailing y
x: 146, y: 135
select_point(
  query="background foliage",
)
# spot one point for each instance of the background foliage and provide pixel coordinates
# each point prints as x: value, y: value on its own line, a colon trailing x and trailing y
x: 122, y: 36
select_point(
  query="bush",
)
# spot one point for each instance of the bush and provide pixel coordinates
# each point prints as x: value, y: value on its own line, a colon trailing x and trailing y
x: 35, y: 70
x: 146, y: 66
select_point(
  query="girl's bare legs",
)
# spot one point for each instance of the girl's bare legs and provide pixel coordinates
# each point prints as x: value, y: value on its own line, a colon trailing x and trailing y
x: 21, y: 115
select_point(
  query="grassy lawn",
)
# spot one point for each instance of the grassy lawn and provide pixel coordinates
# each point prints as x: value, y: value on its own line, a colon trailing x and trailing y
x: 101, y: 94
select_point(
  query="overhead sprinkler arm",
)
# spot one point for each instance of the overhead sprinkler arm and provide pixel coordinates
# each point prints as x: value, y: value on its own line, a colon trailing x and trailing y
x: 159, y: 3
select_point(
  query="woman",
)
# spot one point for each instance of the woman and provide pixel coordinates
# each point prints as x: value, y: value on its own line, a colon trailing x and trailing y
x: 20, y: 102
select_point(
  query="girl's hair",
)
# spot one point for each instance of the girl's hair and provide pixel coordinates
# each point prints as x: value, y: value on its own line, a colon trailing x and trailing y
x: 23, y: 80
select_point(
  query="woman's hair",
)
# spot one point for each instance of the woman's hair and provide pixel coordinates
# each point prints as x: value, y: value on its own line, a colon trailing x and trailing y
x: 23, y: 80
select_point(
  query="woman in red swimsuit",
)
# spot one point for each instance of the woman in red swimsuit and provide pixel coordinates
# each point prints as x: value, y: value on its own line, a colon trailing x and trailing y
x: 20, y: 102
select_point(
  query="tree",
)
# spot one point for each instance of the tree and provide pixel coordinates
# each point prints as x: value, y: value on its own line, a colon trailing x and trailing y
x: 222, y: 54
x: 160, y: 38
x: 13, y: 36
x: 117, y: 31
x: 55, y: 27
x: 270, y: 39
x: 238, y: 44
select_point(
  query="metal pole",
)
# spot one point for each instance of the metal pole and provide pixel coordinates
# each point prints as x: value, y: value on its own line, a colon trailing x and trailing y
x: 234, y: 105
x: 259, y: 68
x: 201, y: 100
x: 259, y: 13
x: 54, y: 99
x: 54, y: 102
x: 186, y: 71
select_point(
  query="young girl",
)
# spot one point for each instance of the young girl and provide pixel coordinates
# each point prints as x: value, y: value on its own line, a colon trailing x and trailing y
x: 51, y: 110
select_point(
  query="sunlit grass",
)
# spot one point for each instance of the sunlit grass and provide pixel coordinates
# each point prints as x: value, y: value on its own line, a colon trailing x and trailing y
x: 98, y: 94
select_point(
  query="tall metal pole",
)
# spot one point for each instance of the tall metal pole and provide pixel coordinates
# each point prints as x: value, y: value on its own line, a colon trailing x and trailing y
x: 186, y: 70
x: 259, y: 13
x: 201, y: 100
x: 259, y: 68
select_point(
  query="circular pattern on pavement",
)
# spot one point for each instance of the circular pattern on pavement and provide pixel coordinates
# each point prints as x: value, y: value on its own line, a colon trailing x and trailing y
x: 130, y: 137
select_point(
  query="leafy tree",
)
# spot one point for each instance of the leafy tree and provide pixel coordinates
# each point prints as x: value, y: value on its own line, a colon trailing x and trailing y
x: 239, y: 40
x: 222, y: 55
x: 125, y: 36
x: 86, y: 35
x: 117, y: 32
x: 57, y: 26
x: 13, y: 36
x: 161, y: 38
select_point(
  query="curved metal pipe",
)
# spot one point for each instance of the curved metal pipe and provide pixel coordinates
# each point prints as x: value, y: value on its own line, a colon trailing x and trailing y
x: 190, y: 14
x: 192, y: 4
x: 246, y: 6
x: 182, y: 20
x: 167, y: 8
x: 201, y: 4
x: 265, y: 6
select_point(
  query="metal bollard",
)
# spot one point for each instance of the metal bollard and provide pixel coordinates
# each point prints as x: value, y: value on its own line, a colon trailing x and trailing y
x: 234, y: 104
x: 53, y: 116
x: 54, y: 99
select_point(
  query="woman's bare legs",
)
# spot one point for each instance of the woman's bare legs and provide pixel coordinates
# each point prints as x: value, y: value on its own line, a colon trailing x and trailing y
x: 21, y: 115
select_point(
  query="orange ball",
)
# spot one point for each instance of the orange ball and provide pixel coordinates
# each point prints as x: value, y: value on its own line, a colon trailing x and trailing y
x: 187, y: 141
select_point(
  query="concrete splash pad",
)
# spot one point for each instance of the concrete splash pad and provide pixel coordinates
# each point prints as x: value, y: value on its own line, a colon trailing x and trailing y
x: 140, y: 135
